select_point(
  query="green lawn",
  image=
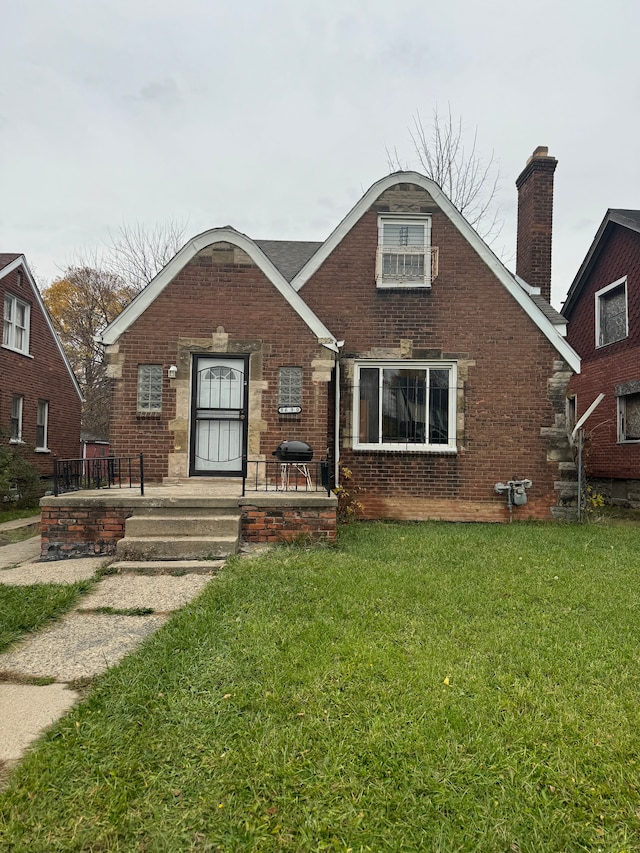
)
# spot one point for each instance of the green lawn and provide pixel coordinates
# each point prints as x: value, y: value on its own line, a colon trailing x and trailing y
x: 24, y: 609
x: 426, y: 687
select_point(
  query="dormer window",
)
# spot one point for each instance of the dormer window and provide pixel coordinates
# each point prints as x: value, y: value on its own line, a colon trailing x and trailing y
x: 404, y: 252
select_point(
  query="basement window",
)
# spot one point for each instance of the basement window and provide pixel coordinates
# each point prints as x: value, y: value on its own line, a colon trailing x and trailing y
x: 409, y: 406
x: 611, y: 313
x: 149, y: 388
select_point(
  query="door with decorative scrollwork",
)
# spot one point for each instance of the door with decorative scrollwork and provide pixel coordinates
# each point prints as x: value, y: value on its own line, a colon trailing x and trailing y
x: 218, y: 416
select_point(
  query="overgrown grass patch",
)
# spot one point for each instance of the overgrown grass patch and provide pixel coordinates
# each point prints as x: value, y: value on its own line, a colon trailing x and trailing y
x: 24, y: 609
x: 421, y: 687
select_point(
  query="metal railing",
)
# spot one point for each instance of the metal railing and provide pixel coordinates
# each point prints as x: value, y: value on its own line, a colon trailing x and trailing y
x: 277, y: 476
x: 104, y: 472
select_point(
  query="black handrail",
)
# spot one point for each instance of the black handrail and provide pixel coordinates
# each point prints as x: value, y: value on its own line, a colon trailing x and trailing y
x: 269, y: 476
x: 101, y: 472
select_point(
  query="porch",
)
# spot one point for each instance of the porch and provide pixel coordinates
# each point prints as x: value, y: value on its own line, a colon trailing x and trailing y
x: 194, y: 518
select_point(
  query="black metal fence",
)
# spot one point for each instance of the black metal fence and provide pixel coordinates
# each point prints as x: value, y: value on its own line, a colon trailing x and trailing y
x: 105, y: 472
x: 269, y: 476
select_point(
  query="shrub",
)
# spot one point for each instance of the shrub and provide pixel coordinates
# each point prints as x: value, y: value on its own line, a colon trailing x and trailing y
x: 19, y: 480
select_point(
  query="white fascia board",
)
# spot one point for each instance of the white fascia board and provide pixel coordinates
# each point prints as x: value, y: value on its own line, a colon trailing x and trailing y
x: 21, y: 261
x: 216, y: 235
x: 472, y: 237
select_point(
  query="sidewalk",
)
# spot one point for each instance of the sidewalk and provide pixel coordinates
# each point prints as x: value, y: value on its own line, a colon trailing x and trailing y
x: 84, y: 642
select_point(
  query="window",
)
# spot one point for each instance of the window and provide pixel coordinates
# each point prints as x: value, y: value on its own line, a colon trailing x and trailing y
x: 42, y: 425
x: 289, y: 387
x: 150, y: 388
x: 611, y: 313
x: 628, y: 411
x: 404, y: 255
x: 405, y: 406
x: 16, y: 418
x: 16, y: 324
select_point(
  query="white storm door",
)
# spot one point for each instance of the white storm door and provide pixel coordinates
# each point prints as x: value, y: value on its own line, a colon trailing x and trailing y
x: 218, y: 415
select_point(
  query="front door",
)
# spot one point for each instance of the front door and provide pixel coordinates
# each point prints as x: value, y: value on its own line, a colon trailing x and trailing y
x: 219, y: 416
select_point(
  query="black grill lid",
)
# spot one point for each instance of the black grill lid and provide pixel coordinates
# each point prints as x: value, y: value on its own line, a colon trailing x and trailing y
x: 294, y: 451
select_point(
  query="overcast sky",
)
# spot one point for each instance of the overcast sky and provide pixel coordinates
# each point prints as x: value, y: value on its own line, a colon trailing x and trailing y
x: 275, y: 117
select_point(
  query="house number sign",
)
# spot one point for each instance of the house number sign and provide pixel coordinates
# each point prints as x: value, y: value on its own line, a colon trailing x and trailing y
x: 289, y: 410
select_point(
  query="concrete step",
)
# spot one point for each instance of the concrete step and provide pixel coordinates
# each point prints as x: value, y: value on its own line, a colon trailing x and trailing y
x: 194, y: 507
x: 164, y: 567
x: 176, y: 548
x: 182, y: 525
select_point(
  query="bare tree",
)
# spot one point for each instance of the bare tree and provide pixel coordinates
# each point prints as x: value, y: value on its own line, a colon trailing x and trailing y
x: 136, y: 254
x: 469, y: 181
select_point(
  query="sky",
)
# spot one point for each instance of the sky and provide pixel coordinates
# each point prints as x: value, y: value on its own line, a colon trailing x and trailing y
x: 276, y: 117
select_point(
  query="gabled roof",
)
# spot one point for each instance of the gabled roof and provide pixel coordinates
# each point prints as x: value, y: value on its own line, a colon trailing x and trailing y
x: 290, y: 264
x: 9, y: 263
x: 217, y: 235
x: 614, y: 216
x: 6, y: 258
x: 542, y: 318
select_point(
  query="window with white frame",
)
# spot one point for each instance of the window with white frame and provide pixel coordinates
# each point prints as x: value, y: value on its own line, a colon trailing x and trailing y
x: 15, y: 333
x: 405, y: 406
x: 404, y: 252
x: 149, y: 388
x: 628, y: 411
x: 289, y: 386
x: 611, y: 313
x: 16, y: 418
x: 42, y: 425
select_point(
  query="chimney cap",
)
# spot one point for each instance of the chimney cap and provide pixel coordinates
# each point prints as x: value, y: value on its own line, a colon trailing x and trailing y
x: 541, y: 151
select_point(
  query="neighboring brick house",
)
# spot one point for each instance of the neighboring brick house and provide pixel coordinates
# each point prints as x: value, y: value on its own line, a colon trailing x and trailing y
x: 603, y: 310
x: 40, y: 400
x: 401, y: 343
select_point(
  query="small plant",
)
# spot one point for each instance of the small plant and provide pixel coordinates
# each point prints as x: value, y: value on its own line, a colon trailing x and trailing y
x: 593, y: 502
x: 349, y: 507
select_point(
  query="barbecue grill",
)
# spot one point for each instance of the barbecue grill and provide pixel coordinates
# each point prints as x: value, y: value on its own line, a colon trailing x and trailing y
x: 293, y: 451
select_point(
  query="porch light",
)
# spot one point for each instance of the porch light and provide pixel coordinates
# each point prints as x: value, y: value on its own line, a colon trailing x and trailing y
x: 172, y: 372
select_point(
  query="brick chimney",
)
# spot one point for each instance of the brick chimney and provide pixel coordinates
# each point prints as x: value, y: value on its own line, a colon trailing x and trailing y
x: 535, y: 220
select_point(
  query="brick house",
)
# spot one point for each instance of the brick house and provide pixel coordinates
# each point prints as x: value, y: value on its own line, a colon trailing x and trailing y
x: 40, y: 399
x: 401, y: 343
x: 603, y: 310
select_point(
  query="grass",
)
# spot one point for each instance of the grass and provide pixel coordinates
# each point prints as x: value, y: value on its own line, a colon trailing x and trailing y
x: 15, y: 514
x: 24, y: 609
x: 422, y: 687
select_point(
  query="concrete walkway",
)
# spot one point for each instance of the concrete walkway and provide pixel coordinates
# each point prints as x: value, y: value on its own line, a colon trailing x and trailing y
x: 84, y: 642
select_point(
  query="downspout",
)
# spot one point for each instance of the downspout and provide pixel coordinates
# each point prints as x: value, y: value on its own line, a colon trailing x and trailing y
x: 336, y: 427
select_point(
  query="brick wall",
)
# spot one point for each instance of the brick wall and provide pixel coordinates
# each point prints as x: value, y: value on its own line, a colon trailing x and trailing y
x: 509, y: 399
x: 605, y: 367
x: 41, y: 375
x: 287, y: 522
x: 79, y: 531
x: 217, y: 307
